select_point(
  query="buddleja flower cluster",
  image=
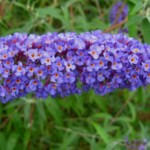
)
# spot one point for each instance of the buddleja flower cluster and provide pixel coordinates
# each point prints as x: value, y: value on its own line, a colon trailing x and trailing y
x: 69, y: 63
x: 136, y: 145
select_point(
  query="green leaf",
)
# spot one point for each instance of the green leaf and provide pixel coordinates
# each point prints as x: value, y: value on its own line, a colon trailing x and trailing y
x: 66, y: 18
x: 41, y: 111
x: 132, y: 110
x: 27, y: 137
x: 146, y: 30
x: 133, y: 1
x: 2, y: 141
x: 28, y: 25
x: 124, y: 119
x: 54, y: 109
x: 96, y: 23
x: 71, y: 2
x: 112, y: 145
x: 132, y: 20
x: 148, y: 15
x: 49, y: 11
x: 141, y: 94
x: 94, y: 145
x: 68, y: 139
x: 137, y: 7
x: 12, y: 141
x: 101, y: 132
x: 27, y: 108
x: 18, y: 4
x: 132, y: 31
x: 102, y: 115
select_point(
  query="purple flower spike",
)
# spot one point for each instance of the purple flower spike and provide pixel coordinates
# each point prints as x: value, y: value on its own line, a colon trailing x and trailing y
x: 136, y: 144
x: 53, y: 64
x: 118, y: 13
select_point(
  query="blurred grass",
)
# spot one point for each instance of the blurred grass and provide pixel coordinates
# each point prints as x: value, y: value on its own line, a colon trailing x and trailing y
x: 79, y: 122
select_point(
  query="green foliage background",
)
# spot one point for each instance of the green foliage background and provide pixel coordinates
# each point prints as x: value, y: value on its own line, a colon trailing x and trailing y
x: 78, y: 122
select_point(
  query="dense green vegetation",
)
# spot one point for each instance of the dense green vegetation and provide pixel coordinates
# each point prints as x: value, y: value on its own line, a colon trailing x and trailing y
x: 78, y: 122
